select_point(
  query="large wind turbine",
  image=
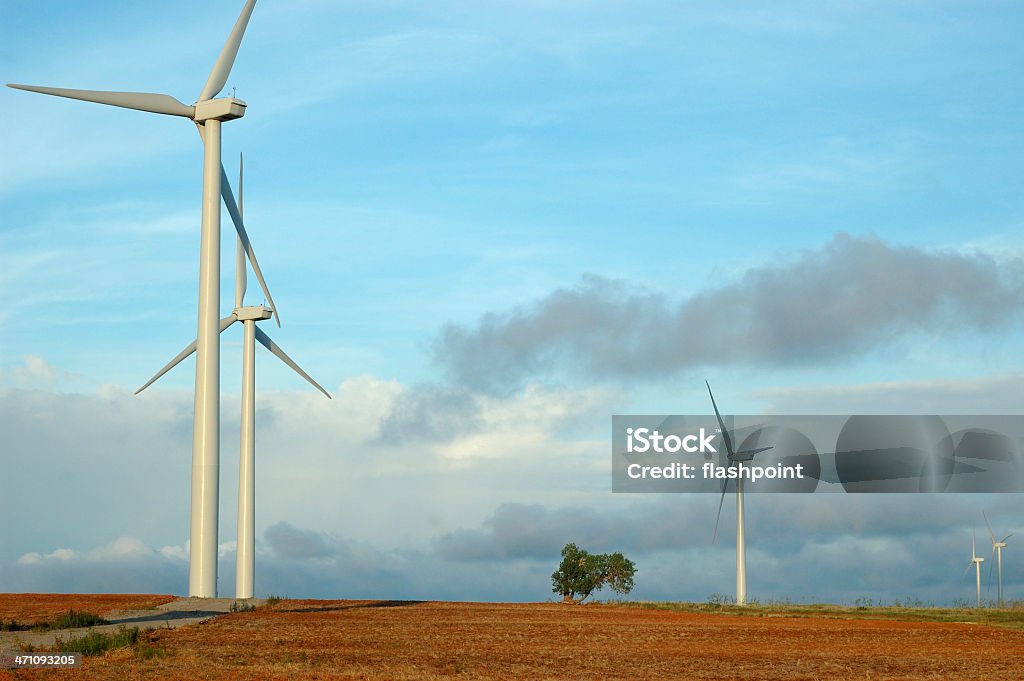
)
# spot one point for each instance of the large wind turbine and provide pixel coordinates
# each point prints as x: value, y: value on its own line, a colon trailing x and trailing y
x: 735, y: 459
x: 976, y: 561
x: 997, y: 553
x: 208, y: 113
x: 245, y: 555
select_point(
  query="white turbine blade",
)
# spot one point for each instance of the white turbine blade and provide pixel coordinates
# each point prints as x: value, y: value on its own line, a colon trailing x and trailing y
x: 968, y: 569
x: 1006, y: 537
x: 721, y: 500
x: 269, y: 344
x: 236, y: 218
x: 988, y: 527
x: 974, y: 552
x: 240, y: 278
x: 239, y: 273
x: 721, y: 423
x: 140, y: 101
x: 221, y: 70
x: 189, y: 349
x: 991, y: 564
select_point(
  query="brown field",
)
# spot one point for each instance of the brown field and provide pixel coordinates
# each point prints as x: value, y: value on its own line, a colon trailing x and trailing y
x: 38, y: 608
x: 430, y: 640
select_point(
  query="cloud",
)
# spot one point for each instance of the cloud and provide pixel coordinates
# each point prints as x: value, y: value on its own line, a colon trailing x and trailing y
x: 288, y: 541
x: 431, y: 414
x: 822, y: 548
x: 979, y: 395
x: 123, y: 565
x: 342, y: 466
x: 33, y: 372
x: 851, y: 296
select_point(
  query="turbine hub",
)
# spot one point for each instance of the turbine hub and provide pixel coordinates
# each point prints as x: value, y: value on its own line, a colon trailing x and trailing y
x: 224, y: 109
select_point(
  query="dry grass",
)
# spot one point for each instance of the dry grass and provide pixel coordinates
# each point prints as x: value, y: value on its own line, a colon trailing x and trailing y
x: 39, y: 608
x: 410, y: 641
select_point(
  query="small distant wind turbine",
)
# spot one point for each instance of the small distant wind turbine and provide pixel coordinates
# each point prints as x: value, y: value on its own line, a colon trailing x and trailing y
x: 245, y: 555
x: 735, y: 459
x: 997, y: 553
x: 976, y: 561
x: 207, y: 113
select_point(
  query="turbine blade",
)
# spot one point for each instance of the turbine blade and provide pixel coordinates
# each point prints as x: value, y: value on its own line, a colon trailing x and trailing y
x: 189, y: 349
x: 718, y: 517
x: 721, y: 423
x: 140, y: 101
x: 221, y: 70
x: 236, y: 218
x: 269, y: 344
x: 240, y: 273
x: 991, y: 564
x: 989, y: 527
x: 967, y: 569
x: 1006, y: 537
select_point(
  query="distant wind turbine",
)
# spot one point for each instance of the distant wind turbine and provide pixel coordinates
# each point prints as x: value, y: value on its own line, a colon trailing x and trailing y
x: 207, y: 113
x: 245, y: 555
x: 976, y: 561
x: 735, y: 459
x: 997, y: 553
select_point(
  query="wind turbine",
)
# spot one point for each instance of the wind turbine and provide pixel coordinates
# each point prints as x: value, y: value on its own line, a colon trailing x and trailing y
x: 208, y: 113
x: 735, y: 459
x: 245, y: 554
x: 997, y: 553
x: 976, y: 561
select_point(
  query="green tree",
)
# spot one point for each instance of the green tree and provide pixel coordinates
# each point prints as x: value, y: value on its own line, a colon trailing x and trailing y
x: 580, y: 574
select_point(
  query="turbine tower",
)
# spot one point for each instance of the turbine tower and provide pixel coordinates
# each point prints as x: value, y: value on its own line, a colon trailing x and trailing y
x: 735, y: 459
x: 207, y: 113
x: 997, y: 553
x: 245, y: 554
x: 976, y: 561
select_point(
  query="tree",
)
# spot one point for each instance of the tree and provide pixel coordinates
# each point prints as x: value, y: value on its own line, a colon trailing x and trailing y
x: 581, y: 574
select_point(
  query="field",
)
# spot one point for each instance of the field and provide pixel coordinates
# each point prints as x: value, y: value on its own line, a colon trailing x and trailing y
x: 405, y: 640
x: 37, y: 608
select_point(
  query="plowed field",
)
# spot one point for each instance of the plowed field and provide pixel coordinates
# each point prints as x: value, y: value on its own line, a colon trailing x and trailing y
x: 430, y: 640
x: 38, y: 608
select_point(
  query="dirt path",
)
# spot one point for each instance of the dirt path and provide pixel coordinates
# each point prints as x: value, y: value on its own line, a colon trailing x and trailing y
x: 165, y: 615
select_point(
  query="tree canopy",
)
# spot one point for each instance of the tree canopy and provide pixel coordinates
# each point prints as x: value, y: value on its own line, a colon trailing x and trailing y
x: 581, y: 573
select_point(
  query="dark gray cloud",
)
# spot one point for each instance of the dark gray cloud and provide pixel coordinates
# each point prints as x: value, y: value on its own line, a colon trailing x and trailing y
x: 430, y: 414
x: 823, y: 548
x: 288, y: 541
x: 848, y: 297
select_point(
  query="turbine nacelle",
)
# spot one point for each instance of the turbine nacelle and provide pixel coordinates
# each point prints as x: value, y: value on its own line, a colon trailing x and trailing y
x: 255, y: 313
x: 224, y: 109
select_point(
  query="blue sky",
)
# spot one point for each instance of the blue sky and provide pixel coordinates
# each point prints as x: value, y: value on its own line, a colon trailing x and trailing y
x: 488, y: 227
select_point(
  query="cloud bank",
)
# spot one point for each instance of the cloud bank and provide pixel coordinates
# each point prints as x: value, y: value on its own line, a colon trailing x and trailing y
x: 851, y: 296
x: 803, y: 548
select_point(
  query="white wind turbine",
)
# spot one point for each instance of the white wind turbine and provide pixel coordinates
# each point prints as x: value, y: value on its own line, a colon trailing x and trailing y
x: 208, y: 113
x: 976, y: 561
x: 997, y: 553
x: 245, y: 554
x: 735, y: 459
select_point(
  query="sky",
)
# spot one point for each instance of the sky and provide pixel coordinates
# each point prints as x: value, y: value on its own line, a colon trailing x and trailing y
x: 488, y: 227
